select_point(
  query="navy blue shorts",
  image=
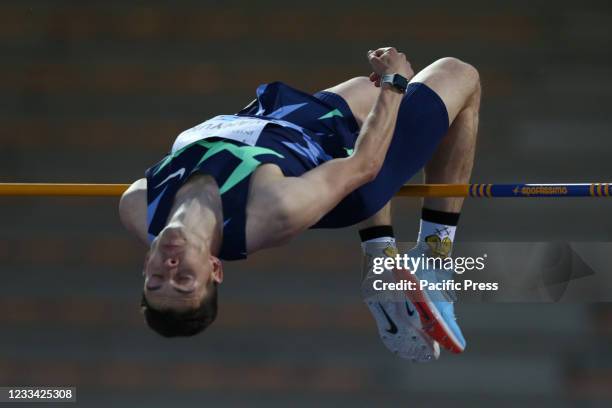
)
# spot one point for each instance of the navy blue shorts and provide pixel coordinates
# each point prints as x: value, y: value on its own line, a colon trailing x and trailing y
x: 331, y: 127
x: 421, y: 124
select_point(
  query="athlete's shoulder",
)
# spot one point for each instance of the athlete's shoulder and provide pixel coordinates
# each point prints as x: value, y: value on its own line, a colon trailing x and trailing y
x: 133, y: 209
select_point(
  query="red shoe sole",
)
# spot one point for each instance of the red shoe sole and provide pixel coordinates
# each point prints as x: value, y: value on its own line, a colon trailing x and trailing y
x: 432, y: 322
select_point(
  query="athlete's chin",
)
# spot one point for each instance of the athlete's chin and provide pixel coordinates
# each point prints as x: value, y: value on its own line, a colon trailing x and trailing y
x: 172, y: 237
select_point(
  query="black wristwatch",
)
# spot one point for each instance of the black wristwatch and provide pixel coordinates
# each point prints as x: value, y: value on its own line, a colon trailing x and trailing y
x: 397, y: 81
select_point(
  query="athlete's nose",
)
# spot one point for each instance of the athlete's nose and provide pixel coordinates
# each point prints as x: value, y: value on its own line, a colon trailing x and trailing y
x: 171, y: 261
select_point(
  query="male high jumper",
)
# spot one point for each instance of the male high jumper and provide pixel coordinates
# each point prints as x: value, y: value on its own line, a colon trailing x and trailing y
x: 290, y: 161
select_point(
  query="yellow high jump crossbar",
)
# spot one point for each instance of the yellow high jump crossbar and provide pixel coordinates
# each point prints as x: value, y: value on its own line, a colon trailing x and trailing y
x: 412, y: 190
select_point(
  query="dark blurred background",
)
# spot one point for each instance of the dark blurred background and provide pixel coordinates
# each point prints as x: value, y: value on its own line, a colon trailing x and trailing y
x: 97, y: 92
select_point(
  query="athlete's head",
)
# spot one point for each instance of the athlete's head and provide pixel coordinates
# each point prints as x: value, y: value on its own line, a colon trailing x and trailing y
x: 180, y: 287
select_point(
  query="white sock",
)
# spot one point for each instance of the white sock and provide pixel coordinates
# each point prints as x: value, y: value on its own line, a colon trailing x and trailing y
x: 375, y: 245
x: 439, y: 237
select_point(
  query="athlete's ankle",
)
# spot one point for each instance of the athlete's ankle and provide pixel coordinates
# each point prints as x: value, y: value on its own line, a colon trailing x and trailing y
x: 437, y: 230
x: 377, y: 239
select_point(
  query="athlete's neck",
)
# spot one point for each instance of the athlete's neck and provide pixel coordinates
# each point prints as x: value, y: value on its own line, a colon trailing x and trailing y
x: 197, y: 211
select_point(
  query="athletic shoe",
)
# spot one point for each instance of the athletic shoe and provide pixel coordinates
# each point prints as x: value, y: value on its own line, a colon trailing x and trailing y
x: 399, y: 323
x: 435, y: 307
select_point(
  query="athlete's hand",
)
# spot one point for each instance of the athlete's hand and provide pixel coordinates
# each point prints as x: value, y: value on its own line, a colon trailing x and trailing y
x: 388, y: 60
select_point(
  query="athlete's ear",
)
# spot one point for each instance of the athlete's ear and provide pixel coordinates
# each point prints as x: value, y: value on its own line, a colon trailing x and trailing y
x: 217, y: 269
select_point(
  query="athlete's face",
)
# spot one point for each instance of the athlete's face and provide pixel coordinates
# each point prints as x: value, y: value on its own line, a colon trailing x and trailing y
x: 178, y: 270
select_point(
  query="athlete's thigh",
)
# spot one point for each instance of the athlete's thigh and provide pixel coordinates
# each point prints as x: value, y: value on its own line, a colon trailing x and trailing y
x: 453, y: 80
x: 360, y: 94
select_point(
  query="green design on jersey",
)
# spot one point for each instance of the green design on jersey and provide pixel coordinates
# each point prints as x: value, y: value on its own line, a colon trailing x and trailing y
x: 169, y: 158
x: 331, y: 114
x: 245, y: 153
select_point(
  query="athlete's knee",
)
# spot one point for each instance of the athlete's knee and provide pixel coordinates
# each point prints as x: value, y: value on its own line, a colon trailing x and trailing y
x: 361, y: 81
x: 462, y: 70
x: 467, y: 80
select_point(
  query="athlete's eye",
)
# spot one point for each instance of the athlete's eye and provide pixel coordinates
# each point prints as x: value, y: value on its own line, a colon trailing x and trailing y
x: 183, y: 279
x: 154, y: 281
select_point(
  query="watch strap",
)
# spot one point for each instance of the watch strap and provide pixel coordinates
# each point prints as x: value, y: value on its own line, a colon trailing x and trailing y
x: 397, y: 81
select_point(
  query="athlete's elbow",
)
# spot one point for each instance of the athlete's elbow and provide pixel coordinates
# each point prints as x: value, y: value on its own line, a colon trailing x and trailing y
x: 126, y: 210
x: 286, y: 227
x: 366, y: 166
x: 280, y: 214
x: 132, y: 209
x: 369, y: 169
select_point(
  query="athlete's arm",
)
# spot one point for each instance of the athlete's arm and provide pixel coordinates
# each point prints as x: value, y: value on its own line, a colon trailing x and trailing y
x: 293, y: 204
x: 133, y: 210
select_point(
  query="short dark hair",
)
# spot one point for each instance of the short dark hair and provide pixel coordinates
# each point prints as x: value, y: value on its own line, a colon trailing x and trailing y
x: 169, y: 323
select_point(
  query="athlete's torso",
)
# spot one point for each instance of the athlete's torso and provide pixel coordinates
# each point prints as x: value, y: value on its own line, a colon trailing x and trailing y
x: 245, y: 151
x: 260, y: 231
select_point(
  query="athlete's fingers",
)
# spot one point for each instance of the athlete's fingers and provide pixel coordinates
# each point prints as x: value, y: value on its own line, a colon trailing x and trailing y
x: 392, y: 56
x: 372, y: 56
x: 381, y: 51
x: 378, y: 66
x: 377, y: 52
x: 387, y: 60
x: 389, y: 51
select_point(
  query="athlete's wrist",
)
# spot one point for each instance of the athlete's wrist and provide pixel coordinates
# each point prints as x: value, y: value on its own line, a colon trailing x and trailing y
x: 390, y: 88
x: 396, y: 81
x: 391, y: 94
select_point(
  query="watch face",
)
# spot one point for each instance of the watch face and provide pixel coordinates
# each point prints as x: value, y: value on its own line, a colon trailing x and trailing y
x: 400, y: 82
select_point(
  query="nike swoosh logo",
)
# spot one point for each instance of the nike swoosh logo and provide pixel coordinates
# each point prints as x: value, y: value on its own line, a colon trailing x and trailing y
x: 410, y: 311
x: 392, y: 326
x: 179, y: 173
